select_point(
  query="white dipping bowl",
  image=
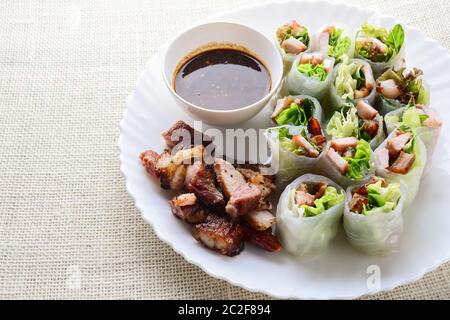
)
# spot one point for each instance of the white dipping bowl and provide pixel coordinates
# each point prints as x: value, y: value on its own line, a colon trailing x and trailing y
x: 222, y: 33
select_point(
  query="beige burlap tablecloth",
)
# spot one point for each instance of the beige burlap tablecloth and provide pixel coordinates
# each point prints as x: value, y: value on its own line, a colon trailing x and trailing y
x: 68, y: 229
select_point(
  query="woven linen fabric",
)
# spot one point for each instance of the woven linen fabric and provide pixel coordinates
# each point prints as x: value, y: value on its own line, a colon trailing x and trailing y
x: 68, y: 229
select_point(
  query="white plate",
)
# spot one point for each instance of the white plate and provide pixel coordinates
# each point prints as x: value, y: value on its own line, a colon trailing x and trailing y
x: 341, y: 272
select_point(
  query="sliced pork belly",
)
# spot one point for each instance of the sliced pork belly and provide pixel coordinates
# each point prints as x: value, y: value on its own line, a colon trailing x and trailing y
x: 182, y: 133
x: 314, y: 127
x: 293, y: 46
x: 260, y: 219
x: 366, y: 111
x: 186, y: 208
x: 202, y: 184
x: 339, y: 162
x: 371, y: 127
x: 342, y: 144
x: 396, y: 144
x: 228, y: 177
x: 149, y: 160
x: 264, y: 183
x: 301, y: 142
x: 358, y: 202
x: 382, y: 156
x: 304, y: 198
x: 403, y: 163
x: 219, y: 234
x: 389, y: 89
x: 263, y: 239
x: 243, y: 200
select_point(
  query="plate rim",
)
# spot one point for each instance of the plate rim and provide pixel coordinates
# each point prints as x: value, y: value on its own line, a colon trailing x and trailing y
x: 186, y: 256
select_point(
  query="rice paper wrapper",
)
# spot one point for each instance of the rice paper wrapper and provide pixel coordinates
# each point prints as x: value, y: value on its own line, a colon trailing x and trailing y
x: 297, y: 83
x: 429, y: 136
x: 376, y: 234
x: 335, y: 101
x: 323, y: 47
x: 306, y: 237
x: 288, y: 58
x: 412, y: 179
x: 289, y: 166
x: 386, y: 106
x: 328, y: 169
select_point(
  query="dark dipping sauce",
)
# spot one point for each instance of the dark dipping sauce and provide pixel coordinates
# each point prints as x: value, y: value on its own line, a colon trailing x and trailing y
x: 222, y: 79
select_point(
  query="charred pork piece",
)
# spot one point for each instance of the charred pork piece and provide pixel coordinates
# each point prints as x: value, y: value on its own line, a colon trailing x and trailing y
x: 243, y: 200
x: 228, y: 177
x: 186, y: 208
x: 314, y: 127
x: 396, y: 144
x: 219, y: 234
x: 263, y: 239
x: 260, y: 220
x: 202, y: 183
x: 366, y: 111
x: 172, y: 168
x: 182, y: 136
x: 264, y: 183
x: 370, y: 127
x: 358, y: 202
x: 403, y: 163
x: 149, y: 160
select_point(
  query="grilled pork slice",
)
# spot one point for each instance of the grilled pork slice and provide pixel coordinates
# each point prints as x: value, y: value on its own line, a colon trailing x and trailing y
x: 228, y: 177
x: 260, y: 219
x: 184, y: 135
x: 358, y: 202
x: 396, y: 144
x: 314, y: 127
x: 337, y: 161
x: 186, y: 208
x: 255, y: 177
x: 201, y: 182
x: 263, y: 239
x: 319, y: 140
x: 403, y: 163
x: 382, y: 156
x: 371, y: 127
x: 342, y: 144
x: 243, y: 200
x: 172, y: 167
x: 366, y: 111
x: 149, y: 160
x: 293, y: 45
x: 219, y: 234
x: 301, y: 142
x: 304, y: 198
x: 389, y: 89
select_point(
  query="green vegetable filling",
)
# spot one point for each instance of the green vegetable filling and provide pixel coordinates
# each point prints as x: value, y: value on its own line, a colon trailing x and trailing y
x: 338, y: 44
x: 359, y: 164
x: 330, y: 199
x: 295, y: 114
x: 381, y: 199
x: 312, y: 71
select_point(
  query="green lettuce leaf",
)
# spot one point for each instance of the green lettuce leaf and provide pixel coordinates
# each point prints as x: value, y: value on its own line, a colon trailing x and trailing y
x: 382, y: 199
x: 338, y: 44
x: 350, y: 77
x: 312, y: 71
x: 330, y: 199
x: 344, y: 123
x: 297, y: 115
x: 360, y: 162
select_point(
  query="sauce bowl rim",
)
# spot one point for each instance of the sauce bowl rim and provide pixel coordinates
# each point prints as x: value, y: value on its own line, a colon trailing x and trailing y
x: 273, y: 88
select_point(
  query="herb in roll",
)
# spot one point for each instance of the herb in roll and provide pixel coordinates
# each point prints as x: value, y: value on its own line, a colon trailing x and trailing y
x: 293, y: 38
x: 333, y: 42
x: 378, y: 44
x: 375, y: 197
x: 352, y: 157
x: 354, y: 80
x: 296, y: 111
x: 398, y: 88
x: 362, y: 122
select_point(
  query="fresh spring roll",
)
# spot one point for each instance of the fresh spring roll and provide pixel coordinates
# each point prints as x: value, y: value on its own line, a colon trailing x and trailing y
x: 402, y: 158
x: 399, y: 88
x: 309, y: 214
x: 292, y: 39
x: 310, y: 74
x: 295, y: 150
x: 296, y: 111
x: 424, y: 121
x: 381, y: 48
x: 362, y: 122
x: 352, y: 81
x: 373, y: 219
x: 335, y: 42
x: 347, y: 161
